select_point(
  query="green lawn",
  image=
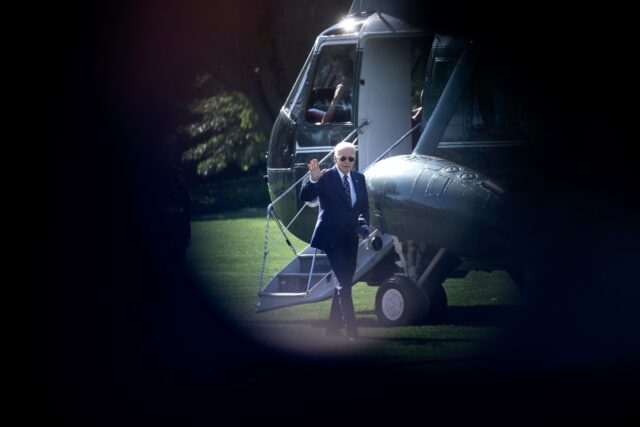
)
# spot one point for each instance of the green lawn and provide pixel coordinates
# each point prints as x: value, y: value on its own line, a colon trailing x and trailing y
x: 225, y: 260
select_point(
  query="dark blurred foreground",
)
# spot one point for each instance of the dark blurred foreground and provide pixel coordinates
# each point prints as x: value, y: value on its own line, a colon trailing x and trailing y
x: 124, y: 334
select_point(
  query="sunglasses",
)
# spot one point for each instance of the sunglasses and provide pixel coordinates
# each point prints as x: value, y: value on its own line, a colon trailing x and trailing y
x: 344, y: 159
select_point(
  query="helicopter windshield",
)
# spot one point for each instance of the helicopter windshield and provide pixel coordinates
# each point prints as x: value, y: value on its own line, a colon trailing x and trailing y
x: 331, y: 97
x: 293, y: 103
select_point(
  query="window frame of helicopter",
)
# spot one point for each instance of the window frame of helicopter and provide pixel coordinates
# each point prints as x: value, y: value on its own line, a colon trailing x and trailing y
x: 322, y: 64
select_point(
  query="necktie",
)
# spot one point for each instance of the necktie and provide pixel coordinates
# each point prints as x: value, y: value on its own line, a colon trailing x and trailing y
x: 347, y: 189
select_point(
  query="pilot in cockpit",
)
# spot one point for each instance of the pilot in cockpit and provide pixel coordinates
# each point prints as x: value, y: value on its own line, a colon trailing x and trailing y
x: 343, y: 82
x: 337, y: 77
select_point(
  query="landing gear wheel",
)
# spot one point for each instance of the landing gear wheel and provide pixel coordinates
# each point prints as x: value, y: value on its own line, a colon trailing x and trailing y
x: 434, y: 308
x: 397, y: 301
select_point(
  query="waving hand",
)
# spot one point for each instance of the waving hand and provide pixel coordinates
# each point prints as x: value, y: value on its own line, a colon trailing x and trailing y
x: 314, y: 170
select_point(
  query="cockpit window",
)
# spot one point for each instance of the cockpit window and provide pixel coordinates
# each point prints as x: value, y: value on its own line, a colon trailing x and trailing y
x: 293, y: 103
x: 441, y: 69
x: 331, y: 97
x: 483, y: 113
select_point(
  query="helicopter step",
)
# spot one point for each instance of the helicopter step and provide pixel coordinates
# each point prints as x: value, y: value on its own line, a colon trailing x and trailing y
x: 293, y: 285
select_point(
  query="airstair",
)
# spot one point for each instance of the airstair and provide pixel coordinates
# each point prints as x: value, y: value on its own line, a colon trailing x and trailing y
x: 308, y: 277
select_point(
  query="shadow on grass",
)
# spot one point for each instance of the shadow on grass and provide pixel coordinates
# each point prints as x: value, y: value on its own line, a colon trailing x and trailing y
x: 366, y: 312
x: 482, y: 315
x: 469, y: 315
x: 475, y: 316
x: 321, y: 325
x: 426, y: 340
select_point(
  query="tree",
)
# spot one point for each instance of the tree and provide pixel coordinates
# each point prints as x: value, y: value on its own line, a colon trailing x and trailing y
x: 224, y: 130
x: 237, y: 99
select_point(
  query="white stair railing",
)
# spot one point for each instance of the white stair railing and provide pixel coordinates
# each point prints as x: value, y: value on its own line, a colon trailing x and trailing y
x: 271, y: 210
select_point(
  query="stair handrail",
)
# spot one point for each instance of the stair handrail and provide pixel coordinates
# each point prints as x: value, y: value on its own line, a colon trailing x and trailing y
x: 365, y: 123
x: 394, y: 145
x: 271, y: 208
x: 402, y: 138
x: 313, y: 261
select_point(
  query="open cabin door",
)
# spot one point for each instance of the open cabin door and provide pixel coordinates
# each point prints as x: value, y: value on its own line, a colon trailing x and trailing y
x: 384, y: 97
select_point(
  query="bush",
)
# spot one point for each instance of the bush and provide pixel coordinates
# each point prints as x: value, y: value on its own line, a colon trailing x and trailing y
x: 232, y: 194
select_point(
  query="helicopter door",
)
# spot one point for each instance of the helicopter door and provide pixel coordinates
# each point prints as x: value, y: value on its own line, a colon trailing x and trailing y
x: 385, y: 97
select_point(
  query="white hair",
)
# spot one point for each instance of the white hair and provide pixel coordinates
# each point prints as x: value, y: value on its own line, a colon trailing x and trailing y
x: 342, y: 145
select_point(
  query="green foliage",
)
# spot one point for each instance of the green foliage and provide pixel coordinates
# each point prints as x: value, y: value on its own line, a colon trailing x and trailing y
x: 220, y: 196
x: 224, y: 130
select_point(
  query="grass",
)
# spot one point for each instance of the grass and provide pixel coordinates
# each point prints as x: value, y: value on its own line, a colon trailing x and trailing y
x: 225, y: 260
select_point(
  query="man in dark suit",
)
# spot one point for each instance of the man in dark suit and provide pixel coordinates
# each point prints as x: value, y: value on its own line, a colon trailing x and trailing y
x: 343, y: 217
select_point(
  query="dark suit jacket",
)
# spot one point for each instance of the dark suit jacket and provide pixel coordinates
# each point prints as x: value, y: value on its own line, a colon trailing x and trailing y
x: 336, y: 214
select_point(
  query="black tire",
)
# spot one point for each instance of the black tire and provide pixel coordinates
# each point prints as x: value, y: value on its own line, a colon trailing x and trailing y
x: 434, y: 309
x: 381, y: 271
x: 434, y: 306
x: 398, y: 301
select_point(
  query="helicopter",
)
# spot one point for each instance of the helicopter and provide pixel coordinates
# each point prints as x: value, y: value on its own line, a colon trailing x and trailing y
x: 446, y: 148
